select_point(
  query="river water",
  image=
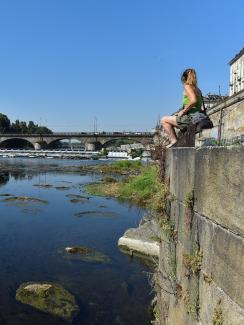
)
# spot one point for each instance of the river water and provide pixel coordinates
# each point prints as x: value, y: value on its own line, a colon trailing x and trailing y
x: 32, y: 237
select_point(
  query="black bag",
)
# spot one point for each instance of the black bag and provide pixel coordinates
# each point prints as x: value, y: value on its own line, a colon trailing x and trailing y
x: 201, y: 120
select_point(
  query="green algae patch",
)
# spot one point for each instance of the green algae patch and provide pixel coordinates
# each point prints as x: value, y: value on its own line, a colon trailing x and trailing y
x: 27, y: 204
x: 77, y: 196
x: 43, y: 185
x: 123, y: 167
x: 50, y: 298
x: 95, y: 213
x: 143, y: 189
x: 103, y: 189
x: 85, y: 254
x: 78, y: 201
x: 24, y: 199
x: 62, y: 188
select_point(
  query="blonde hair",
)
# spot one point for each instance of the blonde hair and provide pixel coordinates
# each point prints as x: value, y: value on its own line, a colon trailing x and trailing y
x: 189, y: 77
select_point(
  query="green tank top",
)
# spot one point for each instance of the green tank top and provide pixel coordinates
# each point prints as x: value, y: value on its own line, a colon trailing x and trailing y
x: 196, y: 108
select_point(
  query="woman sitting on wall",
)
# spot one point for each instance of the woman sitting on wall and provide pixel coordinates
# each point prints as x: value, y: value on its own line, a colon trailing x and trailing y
x: 192, y: 103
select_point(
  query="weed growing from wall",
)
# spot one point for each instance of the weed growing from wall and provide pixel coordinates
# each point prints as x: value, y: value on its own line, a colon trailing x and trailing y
x: 191, y: 304
x: 189, y: 205
x: 193, y: 262
x: 207, y: 278
x: 218, y: 315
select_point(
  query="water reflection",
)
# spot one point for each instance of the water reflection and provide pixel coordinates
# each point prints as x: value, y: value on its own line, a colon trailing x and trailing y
x: 16, y: 175
x: 107, y: 293
x: 4, y: 178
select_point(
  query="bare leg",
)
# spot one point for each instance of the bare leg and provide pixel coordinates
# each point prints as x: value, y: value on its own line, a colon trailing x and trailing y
x: 169, y: 122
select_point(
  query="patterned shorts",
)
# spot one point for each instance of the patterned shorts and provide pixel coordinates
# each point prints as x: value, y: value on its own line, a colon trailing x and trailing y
x: 183, y: 122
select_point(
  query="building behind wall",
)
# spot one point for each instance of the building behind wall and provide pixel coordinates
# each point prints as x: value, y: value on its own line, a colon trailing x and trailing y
x: 237, y: 73
x: 211, y: 100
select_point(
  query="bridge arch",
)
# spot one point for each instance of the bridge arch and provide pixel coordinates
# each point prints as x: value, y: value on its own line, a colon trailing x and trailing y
x: 108, y: 142
x: 89, y: 143
x: 16, y: 143
x: 53, y: 142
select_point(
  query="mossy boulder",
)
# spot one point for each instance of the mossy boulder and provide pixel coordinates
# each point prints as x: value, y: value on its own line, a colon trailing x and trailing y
x: 62, y: 188
x: 77, y: 196
x: 50, y: 298
x: 95, y: 213
x: 78, y: 200
x: 85, y: 254
x: 43, y: 185
x: 24, y: 199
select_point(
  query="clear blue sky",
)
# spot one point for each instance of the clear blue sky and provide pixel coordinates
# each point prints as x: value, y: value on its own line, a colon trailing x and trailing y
x: 62, y: 62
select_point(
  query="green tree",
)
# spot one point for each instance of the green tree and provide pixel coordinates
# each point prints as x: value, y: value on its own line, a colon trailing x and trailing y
x: 4, y: 123
x: 136, y: 153
x: 15, y: 127
x: 31, y: 127
x: 20, y: 127
x: 23, y: 127
x: 42, y: 130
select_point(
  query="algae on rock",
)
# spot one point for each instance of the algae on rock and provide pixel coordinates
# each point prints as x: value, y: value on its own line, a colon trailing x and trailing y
x: 85, y: 254
x: 50, y: 298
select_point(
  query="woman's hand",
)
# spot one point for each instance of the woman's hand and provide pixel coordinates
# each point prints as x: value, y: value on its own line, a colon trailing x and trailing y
x: 181, y: 113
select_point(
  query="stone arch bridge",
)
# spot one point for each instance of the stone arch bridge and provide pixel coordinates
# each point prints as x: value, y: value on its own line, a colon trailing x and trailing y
x: 92, y: 141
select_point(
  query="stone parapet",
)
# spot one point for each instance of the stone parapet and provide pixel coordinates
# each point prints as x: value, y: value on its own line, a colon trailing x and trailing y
x: 227, y: 118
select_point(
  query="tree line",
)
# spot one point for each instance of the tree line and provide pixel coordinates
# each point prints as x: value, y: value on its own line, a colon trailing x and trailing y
x: 21, y: 127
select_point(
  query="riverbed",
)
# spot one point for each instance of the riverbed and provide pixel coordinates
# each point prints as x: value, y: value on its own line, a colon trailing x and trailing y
x: 34, y: 236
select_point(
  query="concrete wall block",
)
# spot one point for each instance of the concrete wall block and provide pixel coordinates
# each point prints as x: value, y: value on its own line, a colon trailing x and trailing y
x: 186, y: 225
x: 174, y: 213
x: 182, y: 172
x: 219, y: 186
x: 178, y: 314
x: 181, y: 307
x: 214, y: 301
x: 233, y: 121
x: 166, y: 259
x: 168, y: 163
x: 223, y: 259
x: 181, y: 272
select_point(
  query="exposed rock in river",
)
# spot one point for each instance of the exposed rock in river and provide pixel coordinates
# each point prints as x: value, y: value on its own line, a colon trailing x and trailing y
x: 62, y: 188
x: 43, y: 185
x: 77, y: 196
x: 95, y: 213
x: 48, y: 297
x: 78, y: 200
x: 24, y: 199
x: 85, y: 254
x: 141, y: 239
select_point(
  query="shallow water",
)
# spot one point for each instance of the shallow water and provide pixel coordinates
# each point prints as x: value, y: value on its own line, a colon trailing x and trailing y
x: 34, y: 235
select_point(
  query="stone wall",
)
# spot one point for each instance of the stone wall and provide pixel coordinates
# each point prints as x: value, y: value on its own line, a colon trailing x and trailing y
x: 201, y: 266
x: 227, y: 118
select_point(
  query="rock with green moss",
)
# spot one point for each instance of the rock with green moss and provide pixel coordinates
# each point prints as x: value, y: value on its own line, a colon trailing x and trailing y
x: 24, y: 199
x: 78, y: 200
x: 62, y: 188
x: 77, y: 196
x: 43, y: 185
x: 85, y: 254
x: 50, y: 298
